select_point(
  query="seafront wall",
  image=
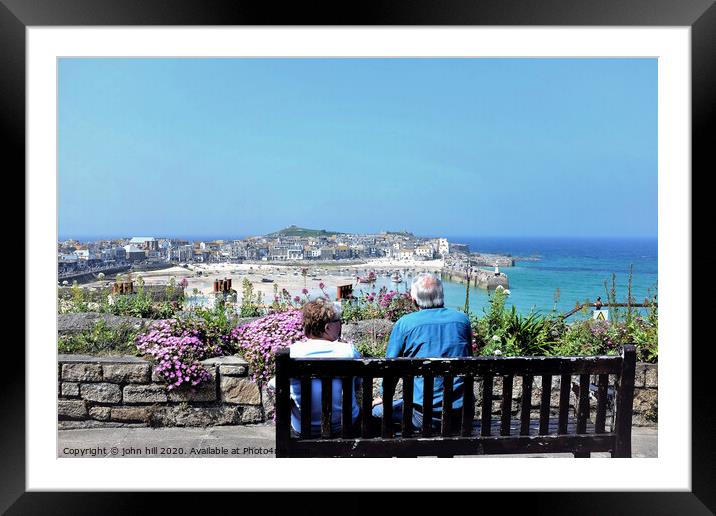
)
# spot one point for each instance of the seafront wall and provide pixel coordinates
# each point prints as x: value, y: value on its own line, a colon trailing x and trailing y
x: 157, y: 292
x: 123, y: 392
x: 478, y: 278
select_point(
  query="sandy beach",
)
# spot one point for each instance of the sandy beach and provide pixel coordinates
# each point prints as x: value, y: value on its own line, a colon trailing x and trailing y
x: 201, y: 276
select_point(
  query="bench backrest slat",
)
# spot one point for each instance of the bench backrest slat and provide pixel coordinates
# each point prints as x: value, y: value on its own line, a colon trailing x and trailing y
x: 326, y: 406
x: 486, y: 420
x: 583, y: 404
x: 468, y: 406
x: 366, y: 405
x: 347, y: 407
x: 565, y: 383
x: 447, y: 405
x: 407, y: 422
x: 506, y: 406
x: 600, y: 419
x: 526, y: 404
x: 427, y: 405
x: 625, y: 403
x: 389, y: 383
x: 545, y: 402
x: 306, y: 407
x: 283, y: 407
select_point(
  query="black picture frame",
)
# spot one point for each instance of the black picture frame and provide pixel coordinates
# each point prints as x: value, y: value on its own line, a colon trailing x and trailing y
x: 699, y: 15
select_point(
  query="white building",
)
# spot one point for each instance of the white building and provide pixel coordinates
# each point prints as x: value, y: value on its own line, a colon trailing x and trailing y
x: 295, y: 253
x: 406, y: 254
x: 443, y: 246
x: 134, y: 253
x: 424, y: 251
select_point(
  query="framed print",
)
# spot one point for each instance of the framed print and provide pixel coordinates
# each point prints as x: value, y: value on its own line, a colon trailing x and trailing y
x: 204, y: 183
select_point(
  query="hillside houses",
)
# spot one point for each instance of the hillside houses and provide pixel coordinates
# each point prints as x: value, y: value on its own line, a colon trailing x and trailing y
x: 291, y: 246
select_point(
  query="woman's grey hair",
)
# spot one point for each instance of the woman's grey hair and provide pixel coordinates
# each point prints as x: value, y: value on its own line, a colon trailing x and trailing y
x: 427, y: 291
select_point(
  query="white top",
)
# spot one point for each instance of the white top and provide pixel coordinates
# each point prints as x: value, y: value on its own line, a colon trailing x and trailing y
x: 316, y: 348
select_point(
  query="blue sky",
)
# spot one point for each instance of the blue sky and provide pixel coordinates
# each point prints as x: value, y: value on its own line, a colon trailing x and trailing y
x: 473, y: 147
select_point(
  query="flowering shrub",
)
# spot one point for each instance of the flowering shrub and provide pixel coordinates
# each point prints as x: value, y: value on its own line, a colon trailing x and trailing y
x: 384, y: 304
x: 177, y: 346
x: 258, y: 340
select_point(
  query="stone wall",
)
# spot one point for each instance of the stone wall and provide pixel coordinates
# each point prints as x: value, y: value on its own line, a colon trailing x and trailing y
x: 123, y: 391
x: 646, y: 390
x: 157, y: 292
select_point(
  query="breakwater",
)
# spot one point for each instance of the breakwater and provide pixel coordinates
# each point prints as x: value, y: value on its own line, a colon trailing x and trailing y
x: 479, y: 278
x: 90, y: 276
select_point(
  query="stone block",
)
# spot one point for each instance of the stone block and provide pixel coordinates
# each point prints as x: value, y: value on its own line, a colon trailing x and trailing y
x: 205, y: 392
x: 644, y: 419
x: 92, y: 424
x: 645, y: 400
x: 82, y: 372
x: 178, y: 415
x: 651, y: 376
x: 129, y: 414
x: 70, y: 389
x: 127, y: 373
x: 639, y: 375
x: 212, y: 370
x: 145, y: 394
x: 101, y: 392
x: 239, y: 391
x: 268, y: 401
x: 71, y: 409
x: 233, y: 370
x: 251, y: 415
x: 100, y: 413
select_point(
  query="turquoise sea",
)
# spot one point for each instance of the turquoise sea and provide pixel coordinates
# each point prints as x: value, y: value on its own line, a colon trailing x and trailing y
x: 577, y: 267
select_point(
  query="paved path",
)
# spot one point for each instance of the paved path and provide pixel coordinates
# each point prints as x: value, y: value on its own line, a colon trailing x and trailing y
x: 249, y: 441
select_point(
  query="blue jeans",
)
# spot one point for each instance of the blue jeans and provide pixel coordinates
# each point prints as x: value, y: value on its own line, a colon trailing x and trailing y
x: 417, y: 419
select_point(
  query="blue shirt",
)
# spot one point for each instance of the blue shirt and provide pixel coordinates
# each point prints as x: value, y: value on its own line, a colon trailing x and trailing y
x: 432, y: 333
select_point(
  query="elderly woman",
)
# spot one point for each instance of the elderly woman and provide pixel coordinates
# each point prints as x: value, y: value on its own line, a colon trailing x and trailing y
x: 322, y: 326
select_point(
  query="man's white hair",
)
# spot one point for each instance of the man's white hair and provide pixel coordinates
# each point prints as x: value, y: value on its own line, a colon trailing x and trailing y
x: 427, y: 291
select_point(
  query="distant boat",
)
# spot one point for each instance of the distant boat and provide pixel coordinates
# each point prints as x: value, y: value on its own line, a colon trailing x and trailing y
x: 368, y: 279
x: 395, y: 278
x: 266, y: 280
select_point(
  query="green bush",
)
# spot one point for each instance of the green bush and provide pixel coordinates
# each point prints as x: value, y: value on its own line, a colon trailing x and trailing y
x: 100, y: 340
x: 215, y: 324
x: 505, y: 332
x: 250, y: 302
x: 140, y: 305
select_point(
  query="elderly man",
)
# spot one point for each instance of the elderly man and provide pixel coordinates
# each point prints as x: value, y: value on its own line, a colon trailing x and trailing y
x: 432, y: 332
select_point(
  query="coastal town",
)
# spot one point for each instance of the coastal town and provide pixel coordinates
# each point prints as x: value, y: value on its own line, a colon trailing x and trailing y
x: 295, y: 259
x: 290, y: 245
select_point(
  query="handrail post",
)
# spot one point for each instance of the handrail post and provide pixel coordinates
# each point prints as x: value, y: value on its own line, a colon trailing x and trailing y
x: 283, y: 403
x: 625, y: 403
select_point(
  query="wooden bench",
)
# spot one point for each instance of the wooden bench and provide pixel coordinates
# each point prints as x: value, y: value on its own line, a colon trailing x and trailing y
x: 487, y: 434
